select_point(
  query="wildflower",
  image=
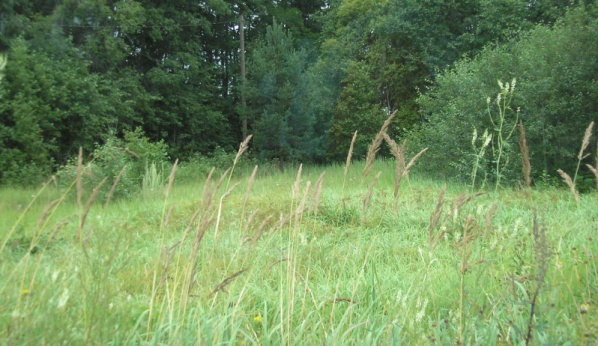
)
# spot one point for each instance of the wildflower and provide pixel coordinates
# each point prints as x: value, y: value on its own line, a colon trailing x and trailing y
x: 583, y: 308
x: 25, y: 292
x: 487, y: 138
x: 257, y: 319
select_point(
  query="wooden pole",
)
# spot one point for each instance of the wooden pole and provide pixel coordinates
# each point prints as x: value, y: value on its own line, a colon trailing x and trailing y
x: 243, y: 102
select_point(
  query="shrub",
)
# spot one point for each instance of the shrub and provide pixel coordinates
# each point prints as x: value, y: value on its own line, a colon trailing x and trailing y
x: 556, y: 93
x: 132, y: 155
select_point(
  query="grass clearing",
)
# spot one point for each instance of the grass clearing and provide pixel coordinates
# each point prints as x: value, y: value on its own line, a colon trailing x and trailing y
x: 417, y: 269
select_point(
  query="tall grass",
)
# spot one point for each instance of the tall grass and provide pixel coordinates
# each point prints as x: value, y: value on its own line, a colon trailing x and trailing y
x: 299, y: 258
x: 571, y: 183
x: 526, y: 166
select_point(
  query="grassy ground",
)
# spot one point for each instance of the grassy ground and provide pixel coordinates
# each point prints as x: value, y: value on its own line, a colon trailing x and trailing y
x: 277, y: 264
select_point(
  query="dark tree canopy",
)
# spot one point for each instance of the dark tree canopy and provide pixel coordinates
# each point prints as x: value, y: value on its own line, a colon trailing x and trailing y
x: 80, y: 73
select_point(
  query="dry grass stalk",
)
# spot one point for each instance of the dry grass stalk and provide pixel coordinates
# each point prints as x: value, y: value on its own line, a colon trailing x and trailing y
x: 248, y: 190
x: 46, y: 212
x: 79, y: 178
x: 375, y: 146
x: 113, y: 187
x: 584, y: 145
x: 595, y: 171
x: 88, y: 205
x: 242, y: 149
x: 542, y: 255
x: 226, y: 194
x: 297, y: 183
x: 400, y: 157
x: 57, y: 228
x: 435, y: 219
x: 205, y: 220
x: 401, y: 170
x: 401, y: 160
x: 301, y: 207
x: 585, y: 142
x: 459, y: 202
x: 282, y: 221
x: 284, y: 259
x: 204, y: 224
x: 166, y: 256
x: 220, y: 181
x: 207, y: 186
x: 489, y: 218
x: 225, y: 282
x: 249, y: 222
x: 250, y: 184
x: 349, y: 156
x: 368, y: 198
x: 569, y: 182
x: 394, y: 147
x: 468, y: 235
x: 206, y: 200
x: 413, y: 159
x: 260, y: 230
x: 167, y: 217
x: 318, y: 193
x: 171, y: 178
x: 525, y: 163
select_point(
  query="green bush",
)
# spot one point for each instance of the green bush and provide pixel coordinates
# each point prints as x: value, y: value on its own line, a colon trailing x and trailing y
x: 132, y: 155
x: 25, y: 175
x: 556, y: 96
x: 198, y: 166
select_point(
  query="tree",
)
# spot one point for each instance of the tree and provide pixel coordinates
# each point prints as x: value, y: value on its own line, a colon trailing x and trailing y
x: 556, y: 92
x: 405, y: 45
x: 357, y: 110
x: 48, y: 110
x: 276, y: 98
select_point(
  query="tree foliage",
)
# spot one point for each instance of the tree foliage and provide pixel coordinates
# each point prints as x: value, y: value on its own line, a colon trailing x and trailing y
x: 556, y: 96
x: 283, y: 128
x: 49, y: 108
x: 83, y: 72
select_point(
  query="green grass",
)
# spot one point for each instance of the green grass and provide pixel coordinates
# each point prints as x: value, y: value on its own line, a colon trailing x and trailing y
x: 308, y: 279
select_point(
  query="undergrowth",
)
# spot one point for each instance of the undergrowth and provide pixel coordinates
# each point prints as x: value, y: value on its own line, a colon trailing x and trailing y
x: 298, y: 258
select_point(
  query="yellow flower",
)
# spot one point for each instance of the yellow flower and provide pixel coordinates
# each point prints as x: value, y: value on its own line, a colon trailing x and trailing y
x: 25, y: 292
x: 257, y: 319
x: 583, y: 308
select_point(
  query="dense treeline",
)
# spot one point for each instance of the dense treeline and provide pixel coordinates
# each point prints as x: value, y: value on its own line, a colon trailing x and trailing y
x: 86, y: 73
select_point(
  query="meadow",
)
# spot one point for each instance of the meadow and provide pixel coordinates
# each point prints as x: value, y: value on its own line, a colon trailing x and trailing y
x: 311, y: 256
